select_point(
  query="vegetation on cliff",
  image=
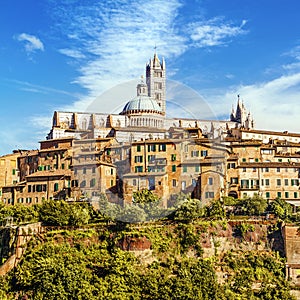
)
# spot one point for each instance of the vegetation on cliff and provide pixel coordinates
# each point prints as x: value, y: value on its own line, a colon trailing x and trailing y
x: 88, y: 260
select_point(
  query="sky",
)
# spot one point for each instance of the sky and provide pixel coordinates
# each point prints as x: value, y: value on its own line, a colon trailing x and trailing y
x: 63, y: 54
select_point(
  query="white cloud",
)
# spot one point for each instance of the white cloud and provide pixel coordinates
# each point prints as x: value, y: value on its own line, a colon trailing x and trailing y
x: 32, y: 43
x: 72, y: 53
x: 213, y: 32
x: 274, y: 104
x: 118, y: 37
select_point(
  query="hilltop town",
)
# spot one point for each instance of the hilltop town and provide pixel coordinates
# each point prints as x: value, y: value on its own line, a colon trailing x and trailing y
x: 89, y: 153
x: 221, y: 197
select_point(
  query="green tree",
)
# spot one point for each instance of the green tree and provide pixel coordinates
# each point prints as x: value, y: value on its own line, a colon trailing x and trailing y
x: 281, y: 209
x: 254, y: 206
x: 189, y: 210
x: 144, y: 196
x: 215, y: 210
x: 61, y: 213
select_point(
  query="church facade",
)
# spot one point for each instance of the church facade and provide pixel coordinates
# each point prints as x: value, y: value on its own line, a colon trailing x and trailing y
x: 143, y: 117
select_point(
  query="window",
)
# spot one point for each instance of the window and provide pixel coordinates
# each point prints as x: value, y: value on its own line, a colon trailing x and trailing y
x: 134, y: 182
x: 267, y: 169
x: 278, y: 169
x: 55, y: 187
x: 138, y: 159
x: 138, y: 169
x: 256, y: 159
x: 162, y: 147
x: 184, y: 169
x: 93, y: 170
x: 268, y: 182
x: 286, y: 182
x: 286, y: 194
x: 151, y: 158
x: 234, y: 180
x: 84, y: 171
x: 267, y: 195
x: 266, y: 151
x: 83, y: 183
x: 92, y: 182
x: 230, y: 165
x: 138, y: 148
x: 173, y: 168
x: 245, y: 183
x: 195, y: 153
x: 174, y: 183
x: 254, y: 169
x: 209, y: 195
x: 295, y: 182
x: 295, y: 195
x: 204, y: 153
x: 29, y: 188
x: 279, y: 194
x: 244, y: 169
x: 244, y: 160
x: 278, y: 181
x: 62, y: 166
x: 14, y: 171
x: 262, y: 182
x: 210, y: 181
x: 173, y: 157
x: 111, y: 171
x: 194, y: 182
x: 152, y: 148
x: 280, y: 160
x: 74, y: 183
x: 197, y: 169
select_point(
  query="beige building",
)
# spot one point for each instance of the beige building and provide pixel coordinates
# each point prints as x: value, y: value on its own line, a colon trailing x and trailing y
x: 86, y: 154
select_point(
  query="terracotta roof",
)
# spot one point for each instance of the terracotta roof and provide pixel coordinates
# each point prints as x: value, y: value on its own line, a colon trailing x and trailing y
x: 54, y: 149
x: 269, y: 165
x: 144, y: 174
x: 285, y: 133
x: 54, y: 173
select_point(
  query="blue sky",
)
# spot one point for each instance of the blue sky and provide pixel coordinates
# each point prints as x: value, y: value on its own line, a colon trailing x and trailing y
x: 61, y: 55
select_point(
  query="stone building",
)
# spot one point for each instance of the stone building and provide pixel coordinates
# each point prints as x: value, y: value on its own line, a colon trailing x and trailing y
x: 86, y: 154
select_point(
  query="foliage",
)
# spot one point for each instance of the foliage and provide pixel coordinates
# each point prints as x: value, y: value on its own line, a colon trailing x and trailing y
x: 215, y: 210
x: 61, y: 213
x: 249, y: 269
x: 254, y: 206
x: 189, y: 210
x: 229, y: 201
x: 144, y: 196
x: 243, y: 228
x: 21, y: 214
x: 281, y: 209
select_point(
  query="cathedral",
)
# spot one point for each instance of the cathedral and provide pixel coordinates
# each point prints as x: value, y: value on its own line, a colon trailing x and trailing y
x: 143, y: 117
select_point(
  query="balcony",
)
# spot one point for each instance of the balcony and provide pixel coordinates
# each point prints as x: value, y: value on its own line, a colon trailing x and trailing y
x: 157, y: 162
x: 249, y: 187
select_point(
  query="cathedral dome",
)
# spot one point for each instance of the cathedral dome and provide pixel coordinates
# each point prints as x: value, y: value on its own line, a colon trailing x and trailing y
x: 141, y: 104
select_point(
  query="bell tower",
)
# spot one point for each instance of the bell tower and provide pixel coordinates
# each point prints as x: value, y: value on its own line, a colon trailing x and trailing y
x: 156, y: 81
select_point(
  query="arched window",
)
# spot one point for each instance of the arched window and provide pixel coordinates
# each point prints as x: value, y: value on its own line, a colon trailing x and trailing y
x: 84, y: 124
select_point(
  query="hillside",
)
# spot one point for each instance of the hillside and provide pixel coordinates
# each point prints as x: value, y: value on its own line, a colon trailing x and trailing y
x: 205, y: 257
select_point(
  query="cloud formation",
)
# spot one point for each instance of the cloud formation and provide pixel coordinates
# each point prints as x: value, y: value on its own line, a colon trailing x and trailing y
x: 213, y: 32
x: 118, y: 38
x: 32, y: 43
